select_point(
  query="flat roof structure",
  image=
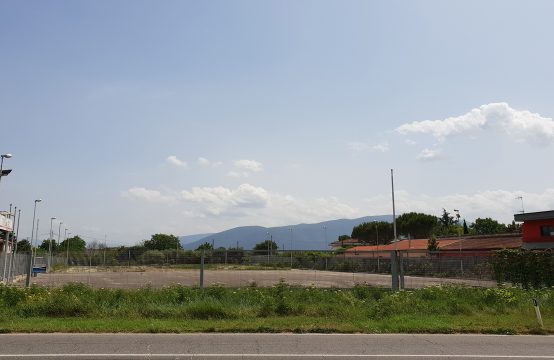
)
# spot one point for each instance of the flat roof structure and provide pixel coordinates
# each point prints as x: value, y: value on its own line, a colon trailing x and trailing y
x: 539, y: 215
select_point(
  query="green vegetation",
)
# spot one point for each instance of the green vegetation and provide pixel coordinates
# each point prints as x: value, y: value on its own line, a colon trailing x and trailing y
x: 266, y: 246
x: 75, y: 244
x: 162, y: 242
x: 78, y: 308
x: 372, y: 233
x: 530, y: 269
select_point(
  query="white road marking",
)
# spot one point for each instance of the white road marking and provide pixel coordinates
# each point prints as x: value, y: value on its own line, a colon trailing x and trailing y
x: 142, y: 355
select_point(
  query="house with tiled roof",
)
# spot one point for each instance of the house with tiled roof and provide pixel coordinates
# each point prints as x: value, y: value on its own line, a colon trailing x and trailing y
x: 470, y: 245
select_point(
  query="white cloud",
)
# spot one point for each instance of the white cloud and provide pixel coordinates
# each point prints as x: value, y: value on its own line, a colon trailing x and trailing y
x: 140, y: 193
x: 258, y: 205
x: 243, y: 168
x: 173, y: 160
x: 429, y: 155
x: 521, y: 125
x: 219, y: 200
x: 249, y: 165
x: 498, y: 204
x: 362, y: 146
x: 202, y: 161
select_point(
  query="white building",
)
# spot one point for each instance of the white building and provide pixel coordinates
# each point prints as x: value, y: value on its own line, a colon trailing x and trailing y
x: 6, y: 227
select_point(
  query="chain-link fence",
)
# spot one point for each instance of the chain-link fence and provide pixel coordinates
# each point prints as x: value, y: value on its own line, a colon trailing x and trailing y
x: 15, y: 267
x: 132, y: 268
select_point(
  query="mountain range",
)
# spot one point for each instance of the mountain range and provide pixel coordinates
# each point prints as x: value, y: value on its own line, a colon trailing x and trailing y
x: 302, y: 236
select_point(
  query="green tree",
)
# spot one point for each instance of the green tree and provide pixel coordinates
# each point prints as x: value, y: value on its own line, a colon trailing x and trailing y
x: 488, y: 226
x: 23, y: 246
x: 343, y: 237
x: 46, y: 243
x: 163, y: 242
x: 416, y: 225
x: 205, y: 246
x: 446, y: 220
x: 373, y: 233
x: 75, y: 244
x: 265, y: 246
x: 432, y: 244
x: 466, y: 229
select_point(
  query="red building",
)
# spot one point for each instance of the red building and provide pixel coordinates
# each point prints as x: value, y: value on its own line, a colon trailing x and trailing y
x: 538, y: 229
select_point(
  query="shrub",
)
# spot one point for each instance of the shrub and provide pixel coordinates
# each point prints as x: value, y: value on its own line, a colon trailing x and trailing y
x: 530, y: 269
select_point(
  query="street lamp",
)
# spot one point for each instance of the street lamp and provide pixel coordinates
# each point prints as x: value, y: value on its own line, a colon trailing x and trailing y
x: 28, y: 281
x: 269, y: 243
x: 50, y: 244
x: 459, y: 240
x: 325, y: 237
x: 290, y: 229
x: 67, y: 247
x: 2, y: 171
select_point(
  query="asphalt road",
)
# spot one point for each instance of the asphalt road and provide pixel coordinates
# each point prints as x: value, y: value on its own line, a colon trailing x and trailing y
x: 273, y: 346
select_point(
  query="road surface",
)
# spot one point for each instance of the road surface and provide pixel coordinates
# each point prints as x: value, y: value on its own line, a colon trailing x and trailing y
x: 273, y: 346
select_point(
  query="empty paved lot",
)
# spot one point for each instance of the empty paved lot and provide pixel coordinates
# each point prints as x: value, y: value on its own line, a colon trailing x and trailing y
x: 235, y: 278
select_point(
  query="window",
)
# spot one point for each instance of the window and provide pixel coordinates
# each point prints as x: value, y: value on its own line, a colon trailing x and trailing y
x: 547, y: 230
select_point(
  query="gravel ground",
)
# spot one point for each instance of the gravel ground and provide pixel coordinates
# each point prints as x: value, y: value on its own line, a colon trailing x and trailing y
x: 235, y: 278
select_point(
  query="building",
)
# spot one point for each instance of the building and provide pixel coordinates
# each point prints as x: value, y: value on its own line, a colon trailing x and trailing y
x: 6, y: 227
x: 538, y: 229
x: 478, y: 245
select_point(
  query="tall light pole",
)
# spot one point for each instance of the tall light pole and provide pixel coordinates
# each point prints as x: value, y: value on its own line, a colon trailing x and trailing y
x: 269, y: 246
x: 393, y: 206
x: 50, y: 244
x: 4, y: 156
x: 67, y: 247
x: 290, y: 230
x: 325, y: 237
x: 28, y: 281
x: 459, y: 240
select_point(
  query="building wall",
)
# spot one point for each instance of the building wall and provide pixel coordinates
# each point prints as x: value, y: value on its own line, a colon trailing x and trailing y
x: 532, y: 231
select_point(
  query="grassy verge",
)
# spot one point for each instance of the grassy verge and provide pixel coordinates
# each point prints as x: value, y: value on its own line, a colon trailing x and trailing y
x: 77, y: 308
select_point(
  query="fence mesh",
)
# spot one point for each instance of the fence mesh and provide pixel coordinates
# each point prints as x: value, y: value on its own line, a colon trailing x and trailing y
x: 124, y: 268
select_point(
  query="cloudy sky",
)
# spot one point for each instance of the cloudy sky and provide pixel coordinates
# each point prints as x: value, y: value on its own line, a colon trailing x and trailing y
x: 130, y: 118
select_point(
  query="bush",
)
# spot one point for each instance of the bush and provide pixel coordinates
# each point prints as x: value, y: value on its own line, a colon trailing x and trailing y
x: 529, y: 269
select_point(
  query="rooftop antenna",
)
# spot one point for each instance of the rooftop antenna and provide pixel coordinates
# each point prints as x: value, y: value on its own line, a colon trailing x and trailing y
x: 521, y: 198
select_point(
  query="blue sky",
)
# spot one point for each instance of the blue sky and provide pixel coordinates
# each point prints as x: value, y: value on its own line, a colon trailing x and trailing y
x: 130, y: 118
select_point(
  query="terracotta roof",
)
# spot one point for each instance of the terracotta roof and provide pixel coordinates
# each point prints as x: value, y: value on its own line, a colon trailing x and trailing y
x: 487, y: 242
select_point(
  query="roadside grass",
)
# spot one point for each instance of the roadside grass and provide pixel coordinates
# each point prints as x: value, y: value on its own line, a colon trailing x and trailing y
x: 282, y: 308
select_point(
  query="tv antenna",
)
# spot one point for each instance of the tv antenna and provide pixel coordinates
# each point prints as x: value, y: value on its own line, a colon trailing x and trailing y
x: 521, y: 198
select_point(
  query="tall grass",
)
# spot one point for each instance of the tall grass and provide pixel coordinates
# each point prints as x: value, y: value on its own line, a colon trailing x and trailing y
x: 361, y: 306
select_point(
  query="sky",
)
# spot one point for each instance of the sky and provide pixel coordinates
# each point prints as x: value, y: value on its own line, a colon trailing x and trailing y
x: 130, y: 118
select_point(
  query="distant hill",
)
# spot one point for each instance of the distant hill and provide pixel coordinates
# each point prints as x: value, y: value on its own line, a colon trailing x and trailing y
x: 187, y: 239
x: 304, y: 236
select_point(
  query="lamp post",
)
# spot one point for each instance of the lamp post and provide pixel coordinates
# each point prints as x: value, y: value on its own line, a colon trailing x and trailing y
x: 325, y: 237
x: 4, y: 156
x: 50, y: 244
x: 67, y: 247
x: 459, y: 240
x: 28, y: 281
x: 377, y: 243
x: 269, y: 245
x: 290, y: 229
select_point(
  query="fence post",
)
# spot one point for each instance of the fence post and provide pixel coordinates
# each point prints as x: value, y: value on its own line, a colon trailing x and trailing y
x: 29, y: 269
x: 394, y: 270
x: 202, y: 270
x: 401, y: 261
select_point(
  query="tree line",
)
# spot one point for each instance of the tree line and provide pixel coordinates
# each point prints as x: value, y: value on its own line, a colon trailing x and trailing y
x: 416, y: 225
